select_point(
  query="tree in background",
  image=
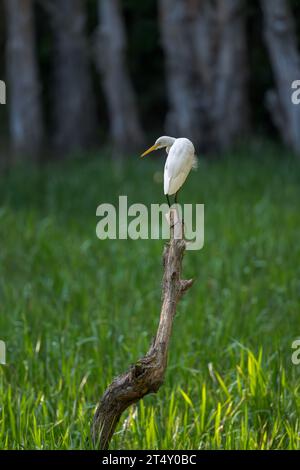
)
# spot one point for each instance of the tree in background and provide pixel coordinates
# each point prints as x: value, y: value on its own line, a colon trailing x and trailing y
x: 230, y: 95
x: 73, y: 97
x: 125, y: 128
x: 281, y: 41
x: 201, y: 93
x: 206, y: 70
x: 185, y: 104
x: 25, y: 110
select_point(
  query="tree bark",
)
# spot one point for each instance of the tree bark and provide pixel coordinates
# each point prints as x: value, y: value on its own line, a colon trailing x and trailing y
x: 206, y: 70
x: 125, y: 128
x: 25, y: 121
x: 281, y: 42
x: 184, y: 116
x: 147, y: 374
x: 230, y: 110
x: 75, y: 118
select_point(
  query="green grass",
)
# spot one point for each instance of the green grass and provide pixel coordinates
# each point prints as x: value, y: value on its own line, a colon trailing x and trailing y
x: 76, y: 311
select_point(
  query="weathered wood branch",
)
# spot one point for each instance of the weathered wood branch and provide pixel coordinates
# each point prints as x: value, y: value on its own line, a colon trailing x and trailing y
x: 147, y: 374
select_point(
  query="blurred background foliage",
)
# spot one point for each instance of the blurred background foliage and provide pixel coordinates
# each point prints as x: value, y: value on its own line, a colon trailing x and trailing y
x: 146, y: 67
x: 96, y: 81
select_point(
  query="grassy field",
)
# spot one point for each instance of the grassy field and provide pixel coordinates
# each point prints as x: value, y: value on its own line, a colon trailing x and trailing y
x: 75, y: 311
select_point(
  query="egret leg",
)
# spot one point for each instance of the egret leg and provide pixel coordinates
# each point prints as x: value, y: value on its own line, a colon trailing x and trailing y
x: 167, y: 196
x: 176, y: 200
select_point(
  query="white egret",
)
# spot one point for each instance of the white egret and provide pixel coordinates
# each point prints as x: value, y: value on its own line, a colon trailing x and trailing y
x: 181, y: 159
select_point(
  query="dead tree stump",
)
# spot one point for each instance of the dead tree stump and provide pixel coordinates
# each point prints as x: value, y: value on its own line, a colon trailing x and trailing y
x: 147, y: 374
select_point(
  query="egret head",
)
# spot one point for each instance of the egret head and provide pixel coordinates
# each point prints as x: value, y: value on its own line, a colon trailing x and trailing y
x: 162, y: 142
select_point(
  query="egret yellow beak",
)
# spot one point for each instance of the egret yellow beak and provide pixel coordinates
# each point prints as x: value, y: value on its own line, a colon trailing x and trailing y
x: 154, y: 147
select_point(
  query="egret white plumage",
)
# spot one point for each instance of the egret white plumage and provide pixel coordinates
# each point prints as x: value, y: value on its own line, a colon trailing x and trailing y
x: 181, y: 159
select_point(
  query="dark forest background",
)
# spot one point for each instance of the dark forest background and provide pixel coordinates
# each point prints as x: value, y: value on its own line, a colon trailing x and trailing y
x: 86, y: 74
x: 90, y: 85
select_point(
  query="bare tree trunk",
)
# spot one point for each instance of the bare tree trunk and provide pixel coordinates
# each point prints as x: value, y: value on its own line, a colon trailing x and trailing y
x: 281, y: 41
x: 147, y: 374
x: 230, y: 111
x: 184, y: 116
x: 205, y: 45
x: 26, y: 122
x: 125, y: 127
x: 205, y: 50
x: 74, y: 106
